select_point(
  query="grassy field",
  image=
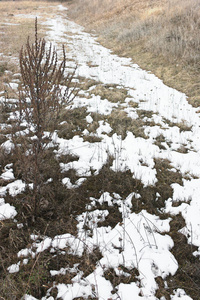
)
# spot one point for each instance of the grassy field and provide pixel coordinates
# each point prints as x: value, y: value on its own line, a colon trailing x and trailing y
x: 15, y: 27
x: 162, y: 36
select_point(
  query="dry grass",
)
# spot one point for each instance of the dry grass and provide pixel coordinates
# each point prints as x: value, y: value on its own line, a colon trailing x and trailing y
x: 121, y: 124
x: 160, y: 35
x: 15, y: 27
x: 101, y: 10
x: 110, y: 92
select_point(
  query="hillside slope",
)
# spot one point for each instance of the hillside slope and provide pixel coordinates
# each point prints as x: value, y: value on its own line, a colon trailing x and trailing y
x: 162, y: 36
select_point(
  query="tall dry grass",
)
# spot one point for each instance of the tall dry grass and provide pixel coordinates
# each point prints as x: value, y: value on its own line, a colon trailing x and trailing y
x: 173, y: 31
x: 167, y: 27
x: 162, y: 36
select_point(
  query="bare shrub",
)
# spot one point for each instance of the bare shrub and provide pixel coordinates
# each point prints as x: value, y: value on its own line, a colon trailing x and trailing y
x: 43, y: 93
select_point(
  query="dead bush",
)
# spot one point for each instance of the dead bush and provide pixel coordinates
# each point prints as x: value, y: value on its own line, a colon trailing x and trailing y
x: 43, y: 93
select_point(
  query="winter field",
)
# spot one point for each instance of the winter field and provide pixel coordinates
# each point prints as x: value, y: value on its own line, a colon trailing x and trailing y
x: 126, y: 221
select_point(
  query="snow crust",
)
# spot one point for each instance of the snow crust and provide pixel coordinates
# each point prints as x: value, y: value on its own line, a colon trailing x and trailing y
x: 7, y: 211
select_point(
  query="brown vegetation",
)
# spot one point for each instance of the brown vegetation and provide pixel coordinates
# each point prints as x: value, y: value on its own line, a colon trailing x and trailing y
x: 160, y: 36
x: 41, y: 100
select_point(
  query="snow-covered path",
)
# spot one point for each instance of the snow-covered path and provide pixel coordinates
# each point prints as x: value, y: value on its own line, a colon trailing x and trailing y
x: 168, y: 105
x: 96, y: 62
x: 141, y: 240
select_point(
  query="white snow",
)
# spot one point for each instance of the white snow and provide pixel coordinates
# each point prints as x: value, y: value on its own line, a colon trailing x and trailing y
x: 8, y: 173
x: 14, y: 188
x: 180, y: 294
x: 7, y: 211
x: 14, y: 268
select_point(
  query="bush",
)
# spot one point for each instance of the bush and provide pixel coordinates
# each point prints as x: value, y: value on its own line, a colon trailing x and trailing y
x: 41, y: 99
